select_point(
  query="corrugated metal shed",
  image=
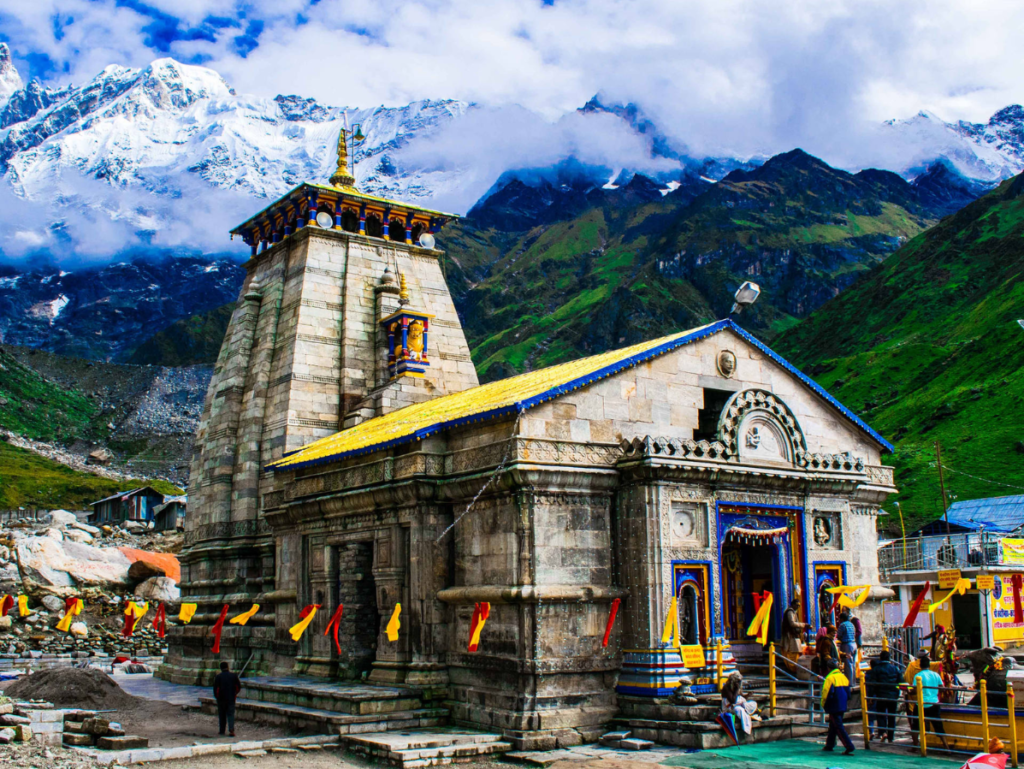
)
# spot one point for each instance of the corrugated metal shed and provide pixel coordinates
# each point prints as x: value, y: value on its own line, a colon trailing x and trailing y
x: 1000, y: 514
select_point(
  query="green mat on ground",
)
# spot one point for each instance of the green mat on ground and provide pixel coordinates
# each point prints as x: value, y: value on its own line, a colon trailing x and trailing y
x: 791, y: 753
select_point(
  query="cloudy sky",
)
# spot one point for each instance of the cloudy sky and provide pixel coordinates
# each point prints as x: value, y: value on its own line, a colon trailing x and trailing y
x: 734, y: 78
x: 722, y: 75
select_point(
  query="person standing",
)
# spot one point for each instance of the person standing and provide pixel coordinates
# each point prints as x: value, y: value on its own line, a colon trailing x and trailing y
x: 226, y: 687
x: 835, y: 695
x: 792, y: 633
x: 846, y: 635
x: 931, y: 683
x: 883, y: 682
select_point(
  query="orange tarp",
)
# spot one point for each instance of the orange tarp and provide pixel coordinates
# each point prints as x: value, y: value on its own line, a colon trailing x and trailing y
x: 166, y: 561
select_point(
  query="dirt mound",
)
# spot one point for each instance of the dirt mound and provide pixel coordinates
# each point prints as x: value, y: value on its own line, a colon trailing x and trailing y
x: 72, y: 687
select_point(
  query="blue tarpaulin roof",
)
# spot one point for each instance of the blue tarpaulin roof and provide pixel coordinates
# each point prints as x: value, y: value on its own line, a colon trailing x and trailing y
x: 1000, y: 514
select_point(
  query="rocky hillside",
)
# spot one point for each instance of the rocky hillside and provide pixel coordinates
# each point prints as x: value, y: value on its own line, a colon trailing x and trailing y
x: 605, y: 266
x: 927, y: 348
x: 65, y: 408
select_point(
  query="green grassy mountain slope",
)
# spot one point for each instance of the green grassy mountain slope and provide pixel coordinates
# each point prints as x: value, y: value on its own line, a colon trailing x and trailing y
x: 927, y: 348
x: 32, y: 481
x: 628, y: 264
x: 188, y: 341
x: 38, y: 408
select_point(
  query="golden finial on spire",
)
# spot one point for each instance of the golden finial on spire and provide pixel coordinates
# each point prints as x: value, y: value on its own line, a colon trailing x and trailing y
x: 403, y: 290
x: 341, y: 176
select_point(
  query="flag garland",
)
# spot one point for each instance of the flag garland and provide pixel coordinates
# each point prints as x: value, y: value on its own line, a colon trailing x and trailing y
x: 394, y: 623
x: 1016, y: 581
x: 241, y: 619
x: 218, y: 628
x: 481, y: 612
x: 305, y: 618
x: 670, y: 633
x: 6, y: 605
x: 334, y: 625
x: 611, y: 621
x: 842, y: 599
x: 188, y: 611
x: 23, y: 605
x: 132, y: 614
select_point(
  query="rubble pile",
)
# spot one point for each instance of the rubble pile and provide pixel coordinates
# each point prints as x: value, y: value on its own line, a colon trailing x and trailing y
x: 104, y: 566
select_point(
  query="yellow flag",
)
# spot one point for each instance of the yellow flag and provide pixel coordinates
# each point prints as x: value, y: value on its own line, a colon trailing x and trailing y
x: 65, y: 623
x: 188, y: 611
x: 759, y: 625
x: 852, y: 603
x: 961, y: 587
x: 138, y: 611
x: 241, y: 619
x: 671, y: 630
x: 300, y: 627
x: 23, y: 605
x: 394, y: 623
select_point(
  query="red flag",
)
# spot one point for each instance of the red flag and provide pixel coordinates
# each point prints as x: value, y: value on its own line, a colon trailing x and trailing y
x: 129, y: 621
x: 334, y: 624
x: 7, y: 605
x: 160, y: 621
x: 915, y: 607
x: 480, y: 614
x: 1018, y: 613
x: 611, y: 621
x: 218, y: 628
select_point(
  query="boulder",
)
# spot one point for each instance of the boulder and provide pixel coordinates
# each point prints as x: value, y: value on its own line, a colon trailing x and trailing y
x: 52, y: 603
x: 141, y: 571
x: 9, y: 573
x: 43, y: 561
x: 6, y: 623
x: 79, y: 630
x: 135, y: 527
x: 6, y: 735
x: 99, y: 456
x: 66, y: 564
x: 76, y: 535
x: 158, y: 589
x: 61, y: 519
x: 94, y: 530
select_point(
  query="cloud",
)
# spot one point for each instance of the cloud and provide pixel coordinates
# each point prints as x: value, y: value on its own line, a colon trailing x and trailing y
x: 92, y: 220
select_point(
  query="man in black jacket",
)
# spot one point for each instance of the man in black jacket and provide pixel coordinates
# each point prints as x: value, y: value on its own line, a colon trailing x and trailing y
x: 226, y: 687
x: 883, y: 682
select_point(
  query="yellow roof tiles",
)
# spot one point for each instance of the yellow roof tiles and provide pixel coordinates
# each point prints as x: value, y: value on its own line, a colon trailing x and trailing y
x: 495, y: 399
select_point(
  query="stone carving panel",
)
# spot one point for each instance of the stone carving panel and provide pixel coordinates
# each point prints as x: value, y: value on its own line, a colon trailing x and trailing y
x: 826, y: 530
x: 687, y: 524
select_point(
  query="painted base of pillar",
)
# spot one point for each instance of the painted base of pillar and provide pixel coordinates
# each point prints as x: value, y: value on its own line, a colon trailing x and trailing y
x: 657, y: 672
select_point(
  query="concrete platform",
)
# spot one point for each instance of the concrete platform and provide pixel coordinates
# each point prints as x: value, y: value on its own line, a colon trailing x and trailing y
x: 428, y: 747
x: 337, y: 697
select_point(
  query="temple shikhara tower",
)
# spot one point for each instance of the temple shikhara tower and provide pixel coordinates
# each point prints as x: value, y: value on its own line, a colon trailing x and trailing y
x: 348, y: 455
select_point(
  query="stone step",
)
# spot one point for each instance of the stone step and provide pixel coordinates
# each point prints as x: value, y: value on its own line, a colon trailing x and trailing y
x: 318, y: 694
x: 330, y: 720
x: 428, y: 747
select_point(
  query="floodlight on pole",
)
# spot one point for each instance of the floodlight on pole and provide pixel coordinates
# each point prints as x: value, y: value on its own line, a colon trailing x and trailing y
x: 745, y: 296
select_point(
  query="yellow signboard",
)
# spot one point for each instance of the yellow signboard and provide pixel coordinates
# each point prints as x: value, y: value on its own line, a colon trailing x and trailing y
x: 948, y: 578
x: 693, y: 656
x: 1013, y: 551
x: 985, y: 582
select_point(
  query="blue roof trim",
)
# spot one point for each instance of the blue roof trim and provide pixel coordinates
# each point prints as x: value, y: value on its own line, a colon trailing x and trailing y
x: 595, y: 376
x: 817, y: 388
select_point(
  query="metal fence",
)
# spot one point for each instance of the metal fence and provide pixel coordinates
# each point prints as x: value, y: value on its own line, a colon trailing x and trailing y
x: 954, y: 551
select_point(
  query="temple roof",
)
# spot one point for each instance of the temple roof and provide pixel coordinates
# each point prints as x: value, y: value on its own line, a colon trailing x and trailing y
x: 508, y: 397
x: 334, y: 193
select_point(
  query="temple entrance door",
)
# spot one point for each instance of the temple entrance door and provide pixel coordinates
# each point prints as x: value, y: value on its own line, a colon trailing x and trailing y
x: 357, y: 591
x: 749, y: 569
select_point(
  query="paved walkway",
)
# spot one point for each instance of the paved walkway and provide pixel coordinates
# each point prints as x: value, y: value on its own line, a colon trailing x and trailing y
x: 146, y: 686
x: 803, y: 753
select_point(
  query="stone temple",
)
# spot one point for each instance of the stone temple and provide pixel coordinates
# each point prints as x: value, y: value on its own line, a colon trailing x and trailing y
x: 347, y: 454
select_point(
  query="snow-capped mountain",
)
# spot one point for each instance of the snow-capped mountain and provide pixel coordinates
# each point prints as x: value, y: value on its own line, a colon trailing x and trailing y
x: 986, y: 152
x: 146, y: 128
x: 10, y: 80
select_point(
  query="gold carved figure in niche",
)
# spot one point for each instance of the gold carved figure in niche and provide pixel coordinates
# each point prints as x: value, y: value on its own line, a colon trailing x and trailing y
x: 416, y: 339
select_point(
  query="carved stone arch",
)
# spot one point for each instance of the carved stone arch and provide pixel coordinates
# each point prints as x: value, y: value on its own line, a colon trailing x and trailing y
x: 768, y: 409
